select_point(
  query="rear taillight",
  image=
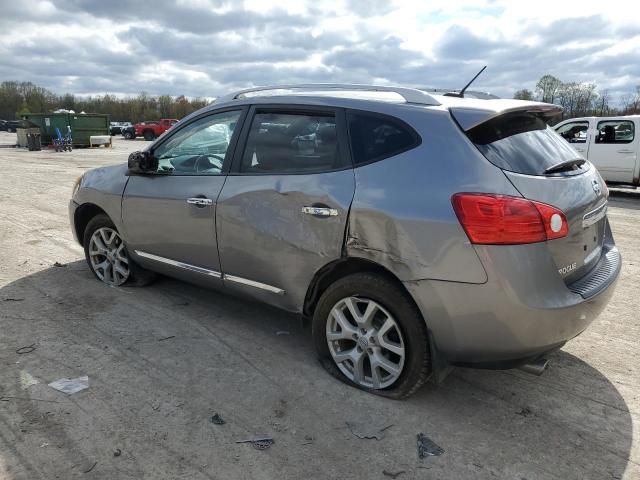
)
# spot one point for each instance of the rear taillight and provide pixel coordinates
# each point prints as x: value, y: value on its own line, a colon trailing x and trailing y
x: 505, y: 220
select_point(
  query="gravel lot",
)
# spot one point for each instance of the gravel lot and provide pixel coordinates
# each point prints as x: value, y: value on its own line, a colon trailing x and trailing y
x: 163, y: 359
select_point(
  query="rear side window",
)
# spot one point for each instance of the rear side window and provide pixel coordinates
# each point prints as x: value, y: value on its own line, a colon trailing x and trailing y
x: 521, y: 142
x: 291, y: 143
x: 375, y: 137
x: 574, y: 132
x: 615, y: 131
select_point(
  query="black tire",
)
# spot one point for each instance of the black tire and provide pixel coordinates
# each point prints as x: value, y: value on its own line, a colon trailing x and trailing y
x: 149, y: 135
x: 138, y: 276
x: 387, y: 293
x: 129, y: 136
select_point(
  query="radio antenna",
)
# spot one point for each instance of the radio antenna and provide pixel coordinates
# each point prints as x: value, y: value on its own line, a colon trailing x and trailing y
x: 461, y: 92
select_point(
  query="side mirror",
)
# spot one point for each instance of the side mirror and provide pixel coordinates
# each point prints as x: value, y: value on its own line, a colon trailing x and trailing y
x: 141, y: 163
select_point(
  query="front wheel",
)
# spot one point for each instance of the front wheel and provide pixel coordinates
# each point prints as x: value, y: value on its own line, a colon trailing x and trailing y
x: 369, y: 333
x: 148, y: 135
x: 107, y: 256
x: 128, y: 136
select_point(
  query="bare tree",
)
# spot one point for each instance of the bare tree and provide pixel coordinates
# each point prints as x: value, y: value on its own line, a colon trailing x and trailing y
x: 523, y: 94
x: 548, y: 88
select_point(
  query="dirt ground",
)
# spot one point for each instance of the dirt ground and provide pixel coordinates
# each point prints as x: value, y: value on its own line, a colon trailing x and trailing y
x: 163, y: 359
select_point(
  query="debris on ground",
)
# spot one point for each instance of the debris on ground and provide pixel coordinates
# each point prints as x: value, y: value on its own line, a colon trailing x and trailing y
x: 278, y: 413
x: 259, y: 442
x: 27, y: 380
x: 427, y: 447
x: 12, y: 299
x: 217, y: 419
x: 309, y: 440
x: 117, y: 452
x: 364, y: 430
x: 27, y: 349
x: 283, y: 332
x: 71, y: 385
x: 393, y: 474
x: 90, y: 468
x: 166, y: 338
x: 524, y: 412
x: 58, y: 264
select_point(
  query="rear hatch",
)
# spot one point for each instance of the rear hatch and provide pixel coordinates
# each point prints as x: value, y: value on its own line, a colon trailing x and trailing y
x: 544, y: 168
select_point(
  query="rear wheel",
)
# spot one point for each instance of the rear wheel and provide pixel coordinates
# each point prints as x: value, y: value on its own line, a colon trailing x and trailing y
x: 128, y: 135
x: 369, y: 334
x: 149, y: 135
x: 107, y: 256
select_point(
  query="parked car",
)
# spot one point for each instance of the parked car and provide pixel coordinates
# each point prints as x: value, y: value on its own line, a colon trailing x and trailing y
x: 415, y: 233
x: 610, y: 143
x: 115, y: 128
x: 128, y: 132
x: 152, y: 129
x: 3, y: 125
x: 13, y: 125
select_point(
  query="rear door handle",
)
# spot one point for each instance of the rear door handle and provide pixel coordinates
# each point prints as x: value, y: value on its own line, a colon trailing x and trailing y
x: 200, y: 202
x: 625, y: 151
x: 320, y: 211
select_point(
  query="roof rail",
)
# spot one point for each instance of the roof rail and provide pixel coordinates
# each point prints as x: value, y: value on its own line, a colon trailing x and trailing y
x: 410, y: 95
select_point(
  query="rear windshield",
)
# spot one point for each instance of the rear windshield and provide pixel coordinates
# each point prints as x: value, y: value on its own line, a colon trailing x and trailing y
x: 521, y: 142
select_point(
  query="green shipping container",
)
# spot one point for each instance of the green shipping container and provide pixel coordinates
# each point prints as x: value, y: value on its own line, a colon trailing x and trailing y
x: 48, y: 123
x: 83, y: 125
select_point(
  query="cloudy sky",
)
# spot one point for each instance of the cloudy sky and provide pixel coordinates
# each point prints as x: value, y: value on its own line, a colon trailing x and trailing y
x: 208, y: 47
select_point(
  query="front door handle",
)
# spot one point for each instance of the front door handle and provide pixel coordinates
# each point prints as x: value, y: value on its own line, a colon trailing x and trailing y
x: 200, y: 202
x: 320, y: 211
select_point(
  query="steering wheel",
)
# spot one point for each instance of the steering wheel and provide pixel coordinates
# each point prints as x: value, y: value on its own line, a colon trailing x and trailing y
x: 207, y: 156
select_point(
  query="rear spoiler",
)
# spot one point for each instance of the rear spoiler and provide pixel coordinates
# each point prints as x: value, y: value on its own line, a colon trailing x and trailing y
x: 470, y: 112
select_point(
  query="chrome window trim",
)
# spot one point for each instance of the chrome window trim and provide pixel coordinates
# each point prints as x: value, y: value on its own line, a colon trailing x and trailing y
x: 211, y: 273
x: 175, y: 263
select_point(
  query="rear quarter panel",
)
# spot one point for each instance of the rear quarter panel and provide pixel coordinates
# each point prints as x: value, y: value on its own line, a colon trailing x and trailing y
x: 402, y: 217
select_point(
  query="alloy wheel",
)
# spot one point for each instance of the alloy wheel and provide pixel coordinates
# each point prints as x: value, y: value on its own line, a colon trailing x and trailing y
x: 108, y: 256
x: 365, y: 342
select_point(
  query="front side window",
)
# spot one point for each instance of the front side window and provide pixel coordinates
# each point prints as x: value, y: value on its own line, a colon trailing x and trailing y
x: 291, y: 143
x: 615, y: 131
x: 375, y: 137
x: 574, y: 132
x: 199, y: 148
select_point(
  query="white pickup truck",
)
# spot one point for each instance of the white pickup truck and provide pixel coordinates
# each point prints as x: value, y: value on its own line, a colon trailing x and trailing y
x: 610, y: 143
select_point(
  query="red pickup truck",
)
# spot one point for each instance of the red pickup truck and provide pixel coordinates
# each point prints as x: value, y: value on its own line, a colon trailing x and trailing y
x: 151, y: 129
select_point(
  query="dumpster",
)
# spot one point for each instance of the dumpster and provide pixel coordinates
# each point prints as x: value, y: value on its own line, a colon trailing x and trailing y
x: 48, y: 123
x: 85, y: 125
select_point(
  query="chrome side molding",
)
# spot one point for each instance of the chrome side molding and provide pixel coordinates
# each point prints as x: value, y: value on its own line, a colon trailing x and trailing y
x: 175, y: 263
x: 211, y: 273
x: 252, y: 283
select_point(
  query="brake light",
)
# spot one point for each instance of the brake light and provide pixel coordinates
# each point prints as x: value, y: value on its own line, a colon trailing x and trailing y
x: 505, y: 220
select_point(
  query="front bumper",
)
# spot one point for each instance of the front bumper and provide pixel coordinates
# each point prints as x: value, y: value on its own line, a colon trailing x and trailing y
x: 72, y: 220
x: 523, y: 311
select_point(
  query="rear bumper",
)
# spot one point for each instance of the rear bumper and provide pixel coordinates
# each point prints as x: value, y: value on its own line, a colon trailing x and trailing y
x: 523, y: 311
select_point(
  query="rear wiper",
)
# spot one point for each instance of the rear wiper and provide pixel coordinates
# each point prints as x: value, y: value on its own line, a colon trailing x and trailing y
x: 566, y: 165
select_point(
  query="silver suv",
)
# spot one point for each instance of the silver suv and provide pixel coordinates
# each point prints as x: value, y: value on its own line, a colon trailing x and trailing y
x: 417, y: 231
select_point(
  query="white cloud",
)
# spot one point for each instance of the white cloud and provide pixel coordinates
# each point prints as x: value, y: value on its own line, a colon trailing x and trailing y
x: 206, y: 47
